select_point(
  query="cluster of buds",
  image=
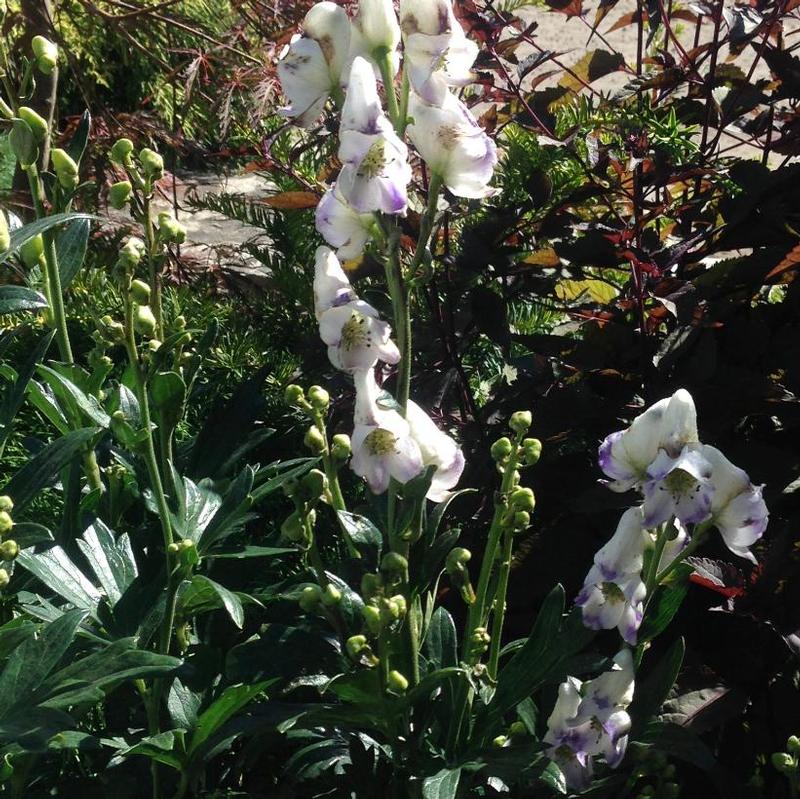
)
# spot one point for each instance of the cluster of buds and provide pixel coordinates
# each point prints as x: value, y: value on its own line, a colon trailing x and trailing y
x: 9, y: 549
x: 143, y: 171
x: 479, y: 642
x: 788, y: 762
x: 184, y: 552
x: 653, y: 766
x: 383, y: 603
x: 313, y: 598
x: 305, y: 492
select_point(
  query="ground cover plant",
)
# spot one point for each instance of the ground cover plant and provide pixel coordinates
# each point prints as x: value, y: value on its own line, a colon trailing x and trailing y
x: 528, y: 530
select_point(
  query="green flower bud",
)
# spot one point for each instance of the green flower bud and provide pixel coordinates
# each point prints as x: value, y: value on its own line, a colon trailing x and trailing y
x: 520, y: 421
x: 292, y: 528
x: 121, y: 151
x: 319, y: 398
x: 187, y: 543
x: 131, y: 253
x: 6, y: 522
x: 531, y: 451
x: 354, y: 645
x: 154, y: 345
x: 144, y: 323
x: 32, y: 251
x: 314, y: 440
x: 293, y: 395
x: 501, y: 449
x: 5, y: 233
x: 331, y: 596
x: 37, y: 124
x: 119, y: 194
x: 456, y: 559
x: 140, y: 292
x: 46, y: 54
x: 500, y: 741
x: 23, y: 143
x: 792, y: 744
x: 341, y: 447
x: 180, y: 322
x: 523, y: 499
x: 372, y: 617
x: 517, y: 729
x: 6, y: 503
x: 396, y: 682
x: 4, y: 578
x: 174, y: 548
x: 152, y: 163
x: 170, y: 230
x: 394, y: 563
x: 392, y: 609
x: 314, y: 484
x: 522, y: 520
x: 783, y: 762
x: 65, y: 168
x: 310, y: 597
x: 9, y: 550
x: 111, y: 331
x: 371, y: 585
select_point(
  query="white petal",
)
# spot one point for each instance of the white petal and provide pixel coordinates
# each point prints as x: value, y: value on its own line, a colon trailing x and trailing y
x: 362, y: 110
x: 328, y: 24
x: 305, y: 80
x: 342, y: 226
x: 679, y: 424
x: 378, y: 24
x: 331, y: 285
x: 729, y: 480
x: 406, y: 462
x: 624, y: 553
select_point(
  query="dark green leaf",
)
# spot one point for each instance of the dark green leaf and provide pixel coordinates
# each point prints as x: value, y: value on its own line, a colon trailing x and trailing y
x: 74, y: 402
x: 442, y: 785
x: 169, y: 395
x: 183, y: 705
x: 365, y: 535
x: 661, y: 610
x: 30, y: 231
x: 111, y: 559
x: 440, y: 645
x: 77, y: 144
x: 202, y: 594
x: 254, y: 552
x: 28, y: 534
x: 71, y: 243
x: 651, y: 692
x: 14, y: 299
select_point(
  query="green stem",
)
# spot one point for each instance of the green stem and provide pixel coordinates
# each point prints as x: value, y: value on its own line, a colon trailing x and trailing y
x: 404, y: 93
x: 500, y: 603
x: 426, y: 222
x: 385, y: 65
x: 153, y: 264
x: 698, y: 536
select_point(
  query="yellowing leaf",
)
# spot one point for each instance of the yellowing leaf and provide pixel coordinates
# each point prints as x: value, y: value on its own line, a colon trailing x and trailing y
x: 595, y: 290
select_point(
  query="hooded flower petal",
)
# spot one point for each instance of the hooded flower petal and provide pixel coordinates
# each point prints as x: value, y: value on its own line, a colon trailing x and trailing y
x: 376, y: 171
x: 453, y: 145
x: 332, y: 287
x: 438, y: 450
x: 377, y: 26
x: 342, y: 226
x: 624, y: 553
x: 738, y: 509
x: 619, y: 604
x: 611, y: 690
x: 313, y: 64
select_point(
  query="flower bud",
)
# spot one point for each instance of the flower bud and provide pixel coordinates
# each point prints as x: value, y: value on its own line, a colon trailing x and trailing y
x: 523, y: 499
x: 522, y: 520
x: 140, y: 292
x: 187, y: 543
x: 37, y: 123
x: 371, y: 585
x: 121, y: 151
x: 394, y: 563
x: 174, y: 548
x: 310, y: 597
x: 65, y: 168
x: 111, y: 331
x: 144, y: 323
x: 292, y: 527
x: 393, y: 609
x: 314, y: 440
x: 4, y: 578
x: 6, y: 503
x: 152, y: 163
x: 120, y: 194
x: 331, y: 596
x: 531, y: 451
x: 354, y: 645
x: 520, y: 421
x: 45, y: 53
x: 5, y: 233
x: 457, y: 558
x: 314, y: 484
x: 170, y: 230
x: 293, y: 394
x: 23, y: 143
x: 372, y: 617
x: 501, y: 449
x: 517, y: 729
x: 131, y: 253
x: 32, y: 251
x: 341, y: 447
x: 792, y: 744
x: 6, y: 522
x: 500, y: 741
x: 319, y: 398
x: 9, y: 550
x: 783, y: 762
x: 397, y: 682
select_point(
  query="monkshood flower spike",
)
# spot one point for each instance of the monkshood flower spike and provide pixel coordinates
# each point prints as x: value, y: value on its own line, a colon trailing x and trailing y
x: 315, y: 64
x: 590, y: 720
x: 376, y: 172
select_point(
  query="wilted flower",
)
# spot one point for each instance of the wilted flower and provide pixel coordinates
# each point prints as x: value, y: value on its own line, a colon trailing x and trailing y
x: 438, y: 450
x: 342, y: 226
x: 437, y: 52
x: 315, y: 63
x: 376, y: 171
x: 668, y: 425
x: 382, y: 444
x: 453, y: 145
x: 357, y: 339
x: 590, y: 719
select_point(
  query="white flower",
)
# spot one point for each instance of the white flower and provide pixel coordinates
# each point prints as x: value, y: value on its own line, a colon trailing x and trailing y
x: 356, y: 337
x: 607, y: 604
x: 377, y: 27
x: 678, y: 486
x: 376, y: 171
x: 342, y: 226
x: 670, y: 424
x: 437, y: 52
x: 624, y: 553
x: 737, y: 507
x: 382, y: 445
x: 453, y: 145
x: 437, y: 449
x: 315, y: 63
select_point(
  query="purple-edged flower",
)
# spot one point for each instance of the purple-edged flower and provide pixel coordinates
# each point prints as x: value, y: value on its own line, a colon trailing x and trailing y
x: 453, y: 145
x: 376, y: 172
x: 383, y: 447
x: 737, y: 507
x: 669, y: 425
x: 315, y: 63
x: 624, y: 552
x: 437, y: 52
x: 342, y: 226
x: 606, y: 604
